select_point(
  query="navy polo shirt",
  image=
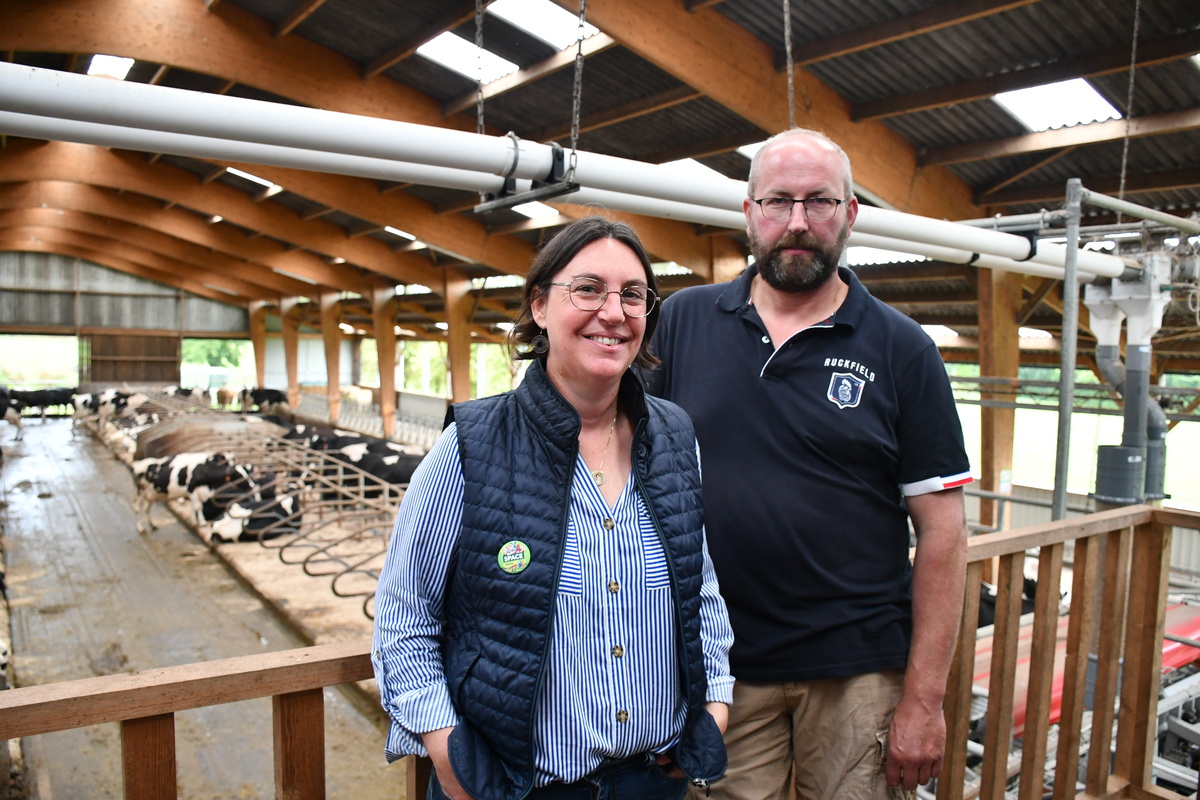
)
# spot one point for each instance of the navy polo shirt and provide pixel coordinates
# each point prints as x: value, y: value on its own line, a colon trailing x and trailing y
x: 808, y: 451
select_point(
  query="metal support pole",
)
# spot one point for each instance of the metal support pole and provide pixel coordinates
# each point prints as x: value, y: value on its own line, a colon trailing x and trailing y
x: 1070, y: 335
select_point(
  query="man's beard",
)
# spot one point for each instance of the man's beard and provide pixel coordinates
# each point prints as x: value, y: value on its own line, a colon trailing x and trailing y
x: 798, y: 273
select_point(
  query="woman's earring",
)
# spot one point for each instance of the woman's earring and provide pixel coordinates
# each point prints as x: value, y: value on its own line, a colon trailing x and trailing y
x: 540, y: 343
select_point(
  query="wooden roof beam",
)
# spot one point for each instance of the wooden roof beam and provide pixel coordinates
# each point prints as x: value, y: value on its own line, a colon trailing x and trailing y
x: 456, y: 15
x: 934, y: 18
x: 730, y: 65
x: 301, y: 13
x: 1134, y: 184
x: 1078, y: 135
x: 592, y: 45
x: 1154, y: 51
x: 621, y: 113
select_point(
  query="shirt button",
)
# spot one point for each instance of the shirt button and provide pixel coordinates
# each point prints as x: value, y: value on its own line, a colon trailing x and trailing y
x: 618, y: 651
x: 766, y: 340
x: 614, y: 587
x: 609, y: 524
x: 622, y: 716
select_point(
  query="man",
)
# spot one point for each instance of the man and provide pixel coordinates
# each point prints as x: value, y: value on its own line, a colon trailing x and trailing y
x: 826, y: 422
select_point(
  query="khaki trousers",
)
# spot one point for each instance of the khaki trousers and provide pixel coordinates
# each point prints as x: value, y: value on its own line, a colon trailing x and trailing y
x: 825, y: 738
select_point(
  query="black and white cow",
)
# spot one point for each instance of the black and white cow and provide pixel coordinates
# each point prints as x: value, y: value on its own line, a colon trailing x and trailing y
x: 102, y: 406
x: 266, y: 400
x: 201, y: 396
x: 12, y: 414
x: 43, y: 398
x: 192, y: 475
x: 257, y: 520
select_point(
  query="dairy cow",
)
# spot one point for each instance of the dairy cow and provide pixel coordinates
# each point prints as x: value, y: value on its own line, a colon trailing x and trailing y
x: 43, y: 398
x: 192, y: 475
x: 266, y: 400
x: 257, y: 520
x: 11, y: 414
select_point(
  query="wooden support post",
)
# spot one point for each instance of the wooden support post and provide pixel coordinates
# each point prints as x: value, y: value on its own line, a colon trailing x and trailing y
x: 290, y: 319
x: 458, y: 337
x: 299, y: 723
x: 1138, y: 718
x: 383, y: 314
x: 331, y: 333
x: 999, y: 357
x: 148, y: 757
x: 258, y: 339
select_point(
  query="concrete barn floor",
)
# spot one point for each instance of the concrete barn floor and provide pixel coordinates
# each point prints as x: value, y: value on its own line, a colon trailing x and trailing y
x: 89, y: 596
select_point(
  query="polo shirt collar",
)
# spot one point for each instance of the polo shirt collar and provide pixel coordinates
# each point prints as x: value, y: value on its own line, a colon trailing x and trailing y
x: 737, y: 295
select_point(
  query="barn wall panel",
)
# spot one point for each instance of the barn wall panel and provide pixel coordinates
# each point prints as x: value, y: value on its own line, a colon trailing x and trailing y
x: 38, y: 271
x: 102, y: 280
x: 129, y: 311
x: 133, y: 358
x: 37, y: 309
x: 311, y: 363
x: 201, y: 315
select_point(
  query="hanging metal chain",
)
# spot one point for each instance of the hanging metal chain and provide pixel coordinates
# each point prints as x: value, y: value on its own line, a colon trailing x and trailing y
x: 787, y: 46
x: 1137, y: 15
x: 577, y: 93
x: 479, y: 60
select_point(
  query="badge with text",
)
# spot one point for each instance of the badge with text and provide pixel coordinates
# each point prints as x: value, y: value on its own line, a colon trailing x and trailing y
x: 513, y: 557
x: 845, y: 389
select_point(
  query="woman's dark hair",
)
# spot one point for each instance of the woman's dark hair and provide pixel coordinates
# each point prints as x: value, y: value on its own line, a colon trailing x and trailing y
x: 557, y: 253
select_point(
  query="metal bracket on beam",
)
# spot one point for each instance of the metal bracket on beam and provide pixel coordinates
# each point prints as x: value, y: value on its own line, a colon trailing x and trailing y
x: 555, y: 185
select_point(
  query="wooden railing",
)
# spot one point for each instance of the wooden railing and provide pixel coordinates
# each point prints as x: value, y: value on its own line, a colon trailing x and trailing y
x: 1119, y: 566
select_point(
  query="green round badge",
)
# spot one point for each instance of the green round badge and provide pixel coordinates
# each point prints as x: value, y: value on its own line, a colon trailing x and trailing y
x: 513, y: 557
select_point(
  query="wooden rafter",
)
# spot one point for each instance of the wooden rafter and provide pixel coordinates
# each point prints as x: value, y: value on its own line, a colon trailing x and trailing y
x: 1035, y: 299
x: 1024, y: 173
x: 935, y: 18
x: 710, y: 147
x: 621, y: 113
x: 535, y: 72
x: 1134, y: 184
x: 1095, y: 133
x: 301, y: 13
x: 456, y: 14
x: 1151, y: 52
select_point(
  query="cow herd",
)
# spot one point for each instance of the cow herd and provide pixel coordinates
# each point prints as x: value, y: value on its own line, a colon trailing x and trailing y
x: 227, y: 496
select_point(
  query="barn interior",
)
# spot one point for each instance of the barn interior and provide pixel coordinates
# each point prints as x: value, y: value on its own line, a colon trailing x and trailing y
x: 292, y: 171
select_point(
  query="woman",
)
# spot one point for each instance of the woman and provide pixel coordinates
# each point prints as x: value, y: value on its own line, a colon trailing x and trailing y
x: 547, y: 620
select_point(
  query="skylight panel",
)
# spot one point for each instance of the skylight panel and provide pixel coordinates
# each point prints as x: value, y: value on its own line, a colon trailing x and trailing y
x: 541, y: 18
x: 1033, y: 333
x: 690, y: 166
x: 535, y: 210
x: 249, y: 177
x: 858, y: 256
x: 1057, y: 105
x: 939, y: 331
x: 110, y: 66
x: 456, y: 53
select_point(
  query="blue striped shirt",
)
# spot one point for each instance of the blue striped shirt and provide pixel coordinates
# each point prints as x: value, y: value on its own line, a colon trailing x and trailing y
x: 613, y: 646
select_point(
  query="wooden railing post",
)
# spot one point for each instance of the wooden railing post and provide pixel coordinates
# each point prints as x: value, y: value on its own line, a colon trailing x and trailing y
x: 1138, y: 719
x: 958, y: 692
x: 997, y: 740
x: 148, y: 757
x: 1108, y: 655
x: 1079, y: 637
x: 299, y: 722
x: 417, y: 772
x: 1041, y: 672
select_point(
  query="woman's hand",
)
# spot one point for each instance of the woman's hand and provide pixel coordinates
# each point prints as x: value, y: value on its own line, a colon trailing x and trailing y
x: 438, y: 744
x: 720, y: 714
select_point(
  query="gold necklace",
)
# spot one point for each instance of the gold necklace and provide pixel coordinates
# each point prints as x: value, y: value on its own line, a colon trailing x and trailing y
x: 598, y: 474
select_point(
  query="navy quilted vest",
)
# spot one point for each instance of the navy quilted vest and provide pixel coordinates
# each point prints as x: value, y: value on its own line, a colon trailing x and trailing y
x: 518, y: 455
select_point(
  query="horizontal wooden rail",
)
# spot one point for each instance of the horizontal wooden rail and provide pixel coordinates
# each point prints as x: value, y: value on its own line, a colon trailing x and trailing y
x: 31, y: 710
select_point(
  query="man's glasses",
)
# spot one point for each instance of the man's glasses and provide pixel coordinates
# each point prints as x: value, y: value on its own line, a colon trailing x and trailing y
x: 817, y: 209
x: 589, y: 294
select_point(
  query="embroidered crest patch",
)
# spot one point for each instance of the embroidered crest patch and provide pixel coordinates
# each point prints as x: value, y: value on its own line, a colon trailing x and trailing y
x: 845, y: 389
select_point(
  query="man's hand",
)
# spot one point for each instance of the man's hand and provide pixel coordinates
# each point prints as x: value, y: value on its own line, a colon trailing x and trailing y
x: 438, y: 744
x: 916, y: 741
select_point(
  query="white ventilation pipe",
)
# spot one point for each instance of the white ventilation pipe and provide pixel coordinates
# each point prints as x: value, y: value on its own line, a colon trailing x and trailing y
x: 952, y: 256
x: 68, y: 96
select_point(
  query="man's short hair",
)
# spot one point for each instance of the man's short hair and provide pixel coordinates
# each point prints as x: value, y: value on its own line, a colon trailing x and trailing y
x: 791, y: 134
